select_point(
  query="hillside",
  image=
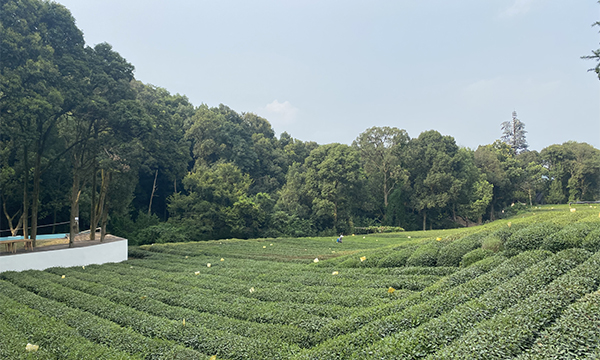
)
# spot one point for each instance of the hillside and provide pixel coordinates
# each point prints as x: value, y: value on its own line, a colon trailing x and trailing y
x: 524, y: 287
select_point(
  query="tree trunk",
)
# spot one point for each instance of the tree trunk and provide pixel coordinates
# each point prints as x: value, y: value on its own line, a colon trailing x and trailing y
x: 530, y: 203
x: 103, y: 210
x: 13, y: 229
x: 385, y: 190
x: 74, y: 219
x: 152, y: 195
x: 103, y: 226
x: 25, y: 194
x: 35, y: 201
x: 424, y: 220
x: 94, y: 206
x: 54, y: 220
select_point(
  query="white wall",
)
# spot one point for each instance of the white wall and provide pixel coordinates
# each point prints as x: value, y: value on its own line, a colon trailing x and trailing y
x: 115, y: 251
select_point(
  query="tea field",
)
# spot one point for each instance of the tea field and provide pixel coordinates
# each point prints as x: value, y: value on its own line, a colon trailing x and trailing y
x: 519, y: 288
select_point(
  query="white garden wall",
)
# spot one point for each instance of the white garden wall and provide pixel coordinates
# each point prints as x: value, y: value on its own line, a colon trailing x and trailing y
x: 114, y: 251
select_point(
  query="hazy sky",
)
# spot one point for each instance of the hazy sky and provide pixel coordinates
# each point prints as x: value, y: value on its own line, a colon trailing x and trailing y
x: 327, y: 70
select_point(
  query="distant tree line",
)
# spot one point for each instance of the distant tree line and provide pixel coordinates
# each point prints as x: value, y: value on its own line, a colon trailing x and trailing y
x: 82, y: 141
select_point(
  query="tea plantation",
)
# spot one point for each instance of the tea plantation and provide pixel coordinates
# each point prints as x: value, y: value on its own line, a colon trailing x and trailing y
x: 519, y: 288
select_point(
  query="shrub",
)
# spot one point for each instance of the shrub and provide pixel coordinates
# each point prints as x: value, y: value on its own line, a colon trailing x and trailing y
x: 100, y: 330
x: 530, y: 237
x: 575, y: 334
x: 220, y: 342
x: 412, y: 316
x: 506, y: 231
x: 424, y: 255
x: 397, y: 258
x: 377, y: 229
x: 161, y: 233
x: 53, y: 336
x: 592, y: 241
x: 492, y: 243
x: 451, y: 254
x: 441, y: 331
x: 474, y: 256
x: 515, y: 329
x: 570, y: 236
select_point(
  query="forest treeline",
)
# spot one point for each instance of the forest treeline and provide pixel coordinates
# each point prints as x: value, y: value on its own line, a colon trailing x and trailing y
x: 83, y: 142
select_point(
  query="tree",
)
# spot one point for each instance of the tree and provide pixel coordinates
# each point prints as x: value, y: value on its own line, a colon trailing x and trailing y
x: 379, y: 149
x: 216, y: 200
x: 433, y: 163
x: 42, y: 60
x: 595, y: 55
x: 166, y: 154
x: 332, y: 176
x: 513, y: 133
x: 574, y: 171
x: 100, y: 128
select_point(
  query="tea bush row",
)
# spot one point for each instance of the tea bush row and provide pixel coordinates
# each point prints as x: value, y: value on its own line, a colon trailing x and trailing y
x: 243, y: 305
x: 592, y: 241
x: 221, y: 279
x: 514, y: 330
x: 283, y: 333
x: 452, y: 254
x: 570, y: 236
x: 474, y: 256
x: 531, y: 237
x: 308, y: 316
x: 413, y: 316
x: 226, y: 288
x: 441, y: 331
x: 288, y: 273
x: 217, y: 342
x: 100, y: 330
x: 575, y: 335
x: 13, y: 345
x: 360, y: 318
x: 413, y: 278
x: 53, y: 336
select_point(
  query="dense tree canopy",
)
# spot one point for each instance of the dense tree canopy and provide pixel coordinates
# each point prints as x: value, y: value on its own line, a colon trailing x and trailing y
x: 83, y: 142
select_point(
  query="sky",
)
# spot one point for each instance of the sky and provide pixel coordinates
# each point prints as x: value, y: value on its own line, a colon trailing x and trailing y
x: 326, y: 71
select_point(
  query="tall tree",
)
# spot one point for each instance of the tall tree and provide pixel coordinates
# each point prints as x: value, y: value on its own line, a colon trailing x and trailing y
x: 574, y: 170
x: 433, y: 162
x: 332, y: 177
x: 41, y: 55
x: 166, y: 152
x: 379, y: 149
x: 595, y: 55
x: 513, y: 133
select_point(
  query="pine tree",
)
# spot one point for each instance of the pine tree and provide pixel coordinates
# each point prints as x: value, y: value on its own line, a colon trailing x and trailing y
x: 513, y: 133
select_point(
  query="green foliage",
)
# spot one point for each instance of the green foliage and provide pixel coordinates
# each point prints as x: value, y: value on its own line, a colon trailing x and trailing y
x: 397, y: 257
x: 531, y: 237
x: 492, y: 243
x: 378, y: 229
x: 522, y: 323
x: 425, y: 255
x: 573, y: 336
x: 97, y: 329
x: 442, y: 331
x: 161, y: 233
x: 568, y: 237
x: 592, y: 241
x: 474, y: 256
x: 452, y: 254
